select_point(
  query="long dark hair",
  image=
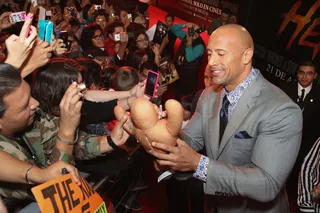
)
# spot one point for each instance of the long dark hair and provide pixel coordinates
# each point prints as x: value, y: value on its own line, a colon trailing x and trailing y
x: 52, y: 81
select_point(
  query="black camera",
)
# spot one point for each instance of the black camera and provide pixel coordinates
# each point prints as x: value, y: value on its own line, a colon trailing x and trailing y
x: 191, y: 30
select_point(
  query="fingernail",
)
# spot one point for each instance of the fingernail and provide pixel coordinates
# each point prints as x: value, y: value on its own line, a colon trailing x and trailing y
x: 29, y: 16
x: 74, y: 83
x: 150, y: 151
x: 153, y: 143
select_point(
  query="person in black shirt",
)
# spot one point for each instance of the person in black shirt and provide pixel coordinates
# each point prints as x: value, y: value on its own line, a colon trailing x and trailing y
x: 167, y: 45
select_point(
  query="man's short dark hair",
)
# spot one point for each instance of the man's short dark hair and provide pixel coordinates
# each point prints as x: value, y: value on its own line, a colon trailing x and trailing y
x: 149, y: 65
x: 125, y: 79
x: 226, y: 11
x: 114, y: 25
x: 10, y: 80
x: 186, y: 102
x: 170, y: 15
x: 309, y: 63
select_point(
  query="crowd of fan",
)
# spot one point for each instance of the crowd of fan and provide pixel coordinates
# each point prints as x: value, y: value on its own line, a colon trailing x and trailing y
x: 46, y: 123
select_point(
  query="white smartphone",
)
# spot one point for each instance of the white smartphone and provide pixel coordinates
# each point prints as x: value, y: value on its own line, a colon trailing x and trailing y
x: 17, y: 17
x: 34, y: 3
x: 129, y: 16
x: 117, y: 37
x: 97, y: 7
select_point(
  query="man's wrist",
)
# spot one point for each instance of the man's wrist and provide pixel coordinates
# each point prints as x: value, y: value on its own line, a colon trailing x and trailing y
x: 67, y: 135
x: 202, y: 169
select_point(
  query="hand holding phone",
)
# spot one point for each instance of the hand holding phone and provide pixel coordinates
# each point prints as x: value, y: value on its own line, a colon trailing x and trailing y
x: 17, y: 17
x: 63, y: 35
x: 124, y: 37
x: 117, y: 37
x: 20, y: 47
x: 151, y: 84
x: 97, y: 7
x: 45, y: 30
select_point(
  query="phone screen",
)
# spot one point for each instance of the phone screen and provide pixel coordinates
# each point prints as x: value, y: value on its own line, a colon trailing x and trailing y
x: 152, y: 80
x: 117, y: 37
x: 17, y: 17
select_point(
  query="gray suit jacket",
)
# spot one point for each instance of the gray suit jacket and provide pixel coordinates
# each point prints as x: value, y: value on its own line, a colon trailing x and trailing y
x: 248, y: 174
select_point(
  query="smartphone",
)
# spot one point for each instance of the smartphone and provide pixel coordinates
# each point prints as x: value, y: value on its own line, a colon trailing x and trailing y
x: 34, y: 3
x: 69, y: 43
x: 151, y: 84
x: 48, y: 15
x: 129, y: 16
x: 17, y: 17
x: 71, y: 11
x: 117, y: 37
x: 97, y: 7
x: 45, y: 31
x: 64, y: 36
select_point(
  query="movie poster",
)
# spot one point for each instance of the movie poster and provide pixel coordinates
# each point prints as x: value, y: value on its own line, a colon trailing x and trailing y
x: 168, y: 72
x: 160, y: 33
x: 201, y: 12
x: 285, y: 33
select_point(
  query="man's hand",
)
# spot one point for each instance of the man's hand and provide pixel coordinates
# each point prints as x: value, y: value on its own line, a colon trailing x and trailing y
x: 54, y: 171
x: 39, y: 56
x: 124, y: 37
x: 161, y: 89
x: 20, y: 47
x: 181, y: 158
x: 4, y: 21
x: 70, y: 111
x: 118, y: 134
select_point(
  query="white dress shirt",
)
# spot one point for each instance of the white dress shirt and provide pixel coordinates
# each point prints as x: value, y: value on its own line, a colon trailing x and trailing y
x: 306, y: 90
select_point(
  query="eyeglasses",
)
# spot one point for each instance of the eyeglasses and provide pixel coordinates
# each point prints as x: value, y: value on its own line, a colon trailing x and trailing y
x: 142, y: 40
x: 97, y: 37
x: 309, y: 74
x: 100, y: 20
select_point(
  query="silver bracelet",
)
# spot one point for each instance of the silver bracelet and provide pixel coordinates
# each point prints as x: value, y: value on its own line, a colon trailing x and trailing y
x: 68, y: 142
x: 27, y: 173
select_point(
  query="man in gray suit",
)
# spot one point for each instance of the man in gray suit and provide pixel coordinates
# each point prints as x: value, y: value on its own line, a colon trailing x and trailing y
x: 251, y: 131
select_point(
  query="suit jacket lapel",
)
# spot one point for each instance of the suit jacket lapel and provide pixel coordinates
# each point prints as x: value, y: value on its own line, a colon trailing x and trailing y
x: 214, y: 126
x: 245, y: 104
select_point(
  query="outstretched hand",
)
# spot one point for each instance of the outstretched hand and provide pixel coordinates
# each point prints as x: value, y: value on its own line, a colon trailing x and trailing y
x: 181, y: 157
x: 20, y: 47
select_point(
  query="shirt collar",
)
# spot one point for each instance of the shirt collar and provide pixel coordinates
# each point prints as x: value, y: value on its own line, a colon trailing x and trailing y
x: 306, y: 90
x: 235, y: 94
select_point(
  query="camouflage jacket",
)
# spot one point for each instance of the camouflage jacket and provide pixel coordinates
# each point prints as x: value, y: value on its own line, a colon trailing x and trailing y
x: 37, y: 147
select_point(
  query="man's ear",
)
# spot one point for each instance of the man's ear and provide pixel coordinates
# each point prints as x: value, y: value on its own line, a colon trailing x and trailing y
x: 247, y: 56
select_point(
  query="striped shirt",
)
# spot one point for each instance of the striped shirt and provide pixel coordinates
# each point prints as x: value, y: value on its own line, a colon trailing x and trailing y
x: 309, y: 178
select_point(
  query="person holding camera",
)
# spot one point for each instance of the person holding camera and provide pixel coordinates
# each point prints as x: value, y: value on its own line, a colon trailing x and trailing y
x: 188, y: 58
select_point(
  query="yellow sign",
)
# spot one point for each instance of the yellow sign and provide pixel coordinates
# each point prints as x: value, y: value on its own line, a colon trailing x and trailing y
x: 63, y: 195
